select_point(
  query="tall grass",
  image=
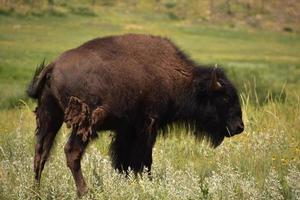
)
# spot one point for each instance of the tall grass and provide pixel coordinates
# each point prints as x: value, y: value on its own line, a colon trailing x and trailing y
x: 262, y: 163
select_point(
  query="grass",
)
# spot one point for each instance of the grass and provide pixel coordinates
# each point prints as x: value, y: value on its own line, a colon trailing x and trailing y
x: 262, y: 163
x: 25, y: 41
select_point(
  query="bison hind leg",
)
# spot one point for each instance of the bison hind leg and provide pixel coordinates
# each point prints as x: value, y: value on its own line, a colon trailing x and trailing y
x: 74, y: 150
x: 49, y: 118
x: 84, y: 122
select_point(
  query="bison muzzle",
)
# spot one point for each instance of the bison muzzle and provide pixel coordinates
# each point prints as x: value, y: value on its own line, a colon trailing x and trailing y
x: 133, y: 85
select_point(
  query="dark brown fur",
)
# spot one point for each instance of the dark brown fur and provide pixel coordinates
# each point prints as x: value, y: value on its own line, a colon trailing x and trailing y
x: 133, y: 85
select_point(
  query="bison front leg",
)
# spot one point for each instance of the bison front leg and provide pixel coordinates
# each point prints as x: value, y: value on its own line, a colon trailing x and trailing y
x: 140, y: 157
x: 119, y: 150
x: 141, y: 145
x: 132, y: 148
x: 149, y: 133
x: 74, y: 150
x: 134, y: 153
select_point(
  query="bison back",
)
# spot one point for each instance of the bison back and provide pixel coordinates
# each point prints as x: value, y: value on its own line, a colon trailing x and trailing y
x: 121, y: 72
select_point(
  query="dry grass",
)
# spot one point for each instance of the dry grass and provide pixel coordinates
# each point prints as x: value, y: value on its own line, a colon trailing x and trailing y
x: 262, y: 163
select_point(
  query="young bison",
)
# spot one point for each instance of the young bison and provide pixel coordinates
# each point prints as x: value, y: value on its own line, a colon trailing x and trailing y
x: 133, y: 85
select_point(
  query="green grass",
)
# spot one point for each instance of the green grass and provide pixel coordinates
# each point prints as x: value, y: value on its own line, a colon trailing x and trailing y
x: 26, y: 41
x: 262, y: 163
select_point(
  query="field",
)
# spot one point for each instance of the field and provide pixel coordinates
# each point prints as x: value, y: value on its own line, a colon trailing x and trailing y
x: 262, y: 163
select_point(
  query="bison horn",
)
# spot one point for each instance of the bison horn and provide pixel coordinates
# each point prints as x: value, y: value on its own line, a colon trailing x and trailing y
x: 215, y: 84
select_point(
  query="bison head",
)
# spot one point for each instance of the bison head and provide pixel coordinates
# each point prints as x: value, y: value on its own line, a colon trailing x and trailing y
x: 219, y: 111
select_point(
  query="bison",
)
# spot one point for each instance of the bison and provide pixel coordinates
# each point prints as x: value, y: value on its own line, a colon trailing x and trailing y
x: 133, y: 85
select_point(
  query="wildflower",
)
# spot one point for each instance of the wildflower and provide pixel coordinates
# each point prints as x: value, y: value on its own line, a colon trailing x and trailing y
x: 284, y: 161
x: 293, y: 159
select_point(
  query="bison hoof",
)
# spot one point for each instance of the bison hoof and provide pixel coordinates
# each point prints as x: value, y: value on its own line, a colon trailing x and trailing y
x: 82, y: 191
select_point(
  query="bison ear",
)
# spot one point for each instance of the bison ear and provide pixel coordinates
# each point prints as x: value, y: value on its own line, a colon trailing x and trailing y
x: 215, y: 85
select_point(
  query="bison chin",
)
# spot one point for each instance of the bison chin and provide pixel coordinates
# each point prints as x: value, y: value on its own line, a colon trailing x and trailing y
x: 234, y: 128
x: 216, y: 141
x: 214, y: 138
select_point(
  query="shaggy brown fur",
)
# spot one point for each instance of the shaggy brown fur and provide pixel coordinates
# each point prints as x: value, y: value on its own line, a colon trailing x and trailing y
x: 133, y: 85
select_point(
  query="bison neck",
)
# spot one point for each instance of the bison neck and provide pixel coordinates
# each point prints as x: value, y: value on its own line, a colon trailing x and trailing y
x: 189, y: 103
x: 184, y: 109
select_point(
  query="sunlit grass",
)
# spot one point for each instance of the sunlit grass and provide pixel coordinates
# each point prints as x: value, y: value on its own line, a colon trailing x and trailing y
x: 261, y: 163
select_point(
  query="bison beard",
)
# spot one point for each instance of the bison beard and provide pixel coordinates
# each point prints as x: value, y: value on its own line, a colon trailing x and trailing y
x: 133, y: 85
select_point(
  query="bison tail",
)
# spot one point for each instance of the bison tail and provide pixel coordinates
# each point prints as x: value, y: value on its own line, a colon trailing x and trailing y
x: 39, y: 78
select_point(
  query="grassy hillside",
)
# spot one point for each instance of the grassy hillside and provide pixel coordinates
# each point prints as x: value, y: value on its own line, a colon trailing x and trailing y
x: 262, y: 163
x: 262, y: 14
x: 246, y: 54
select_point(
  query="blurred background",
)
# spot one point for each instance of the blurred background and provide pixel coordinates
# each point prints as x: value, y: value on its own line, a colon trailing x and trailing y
x: 257, y: 42
x: 265, y: 14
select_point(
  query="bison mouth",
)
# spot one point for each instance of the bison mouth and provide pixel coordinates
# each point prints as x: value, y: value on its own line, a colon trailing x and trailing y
x: 231, y: 132
x: 215, y: 135
x: 217, y: 139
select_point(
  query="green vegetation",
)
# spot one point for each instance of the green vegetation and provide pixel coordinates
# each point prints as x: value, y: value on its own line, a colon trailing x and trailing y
x: 262, y: 163
x: 262, y: 14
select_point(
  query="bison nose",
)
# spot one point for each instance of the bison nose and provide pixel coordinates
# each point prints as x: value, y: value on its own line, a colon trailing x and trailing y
x: 240, y: 128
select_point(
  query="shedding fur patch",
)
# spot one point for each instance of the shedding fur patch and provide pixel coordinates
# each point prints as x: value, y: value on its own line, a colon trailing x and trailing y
x: 98, y: 116
x: 77, y: 116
